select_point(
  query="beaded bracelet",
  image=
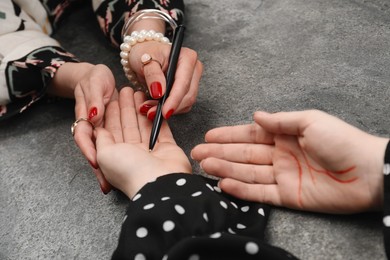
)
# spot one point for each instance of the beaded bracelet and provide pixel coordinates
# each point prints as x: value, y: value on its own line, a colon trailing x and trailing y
x: 128, y: 42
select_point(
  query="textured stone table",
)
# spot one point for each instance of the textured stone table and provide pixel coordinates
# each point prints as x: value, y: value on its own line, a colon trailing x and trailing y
x: 268, y: 55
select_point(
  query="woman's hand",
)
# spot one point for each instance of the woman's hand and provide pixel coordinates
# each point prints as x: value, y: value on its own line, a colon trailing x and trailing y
x: 123, y: 146
x: 302, y: 160
x: 92, y: 86
x: 185, y: 87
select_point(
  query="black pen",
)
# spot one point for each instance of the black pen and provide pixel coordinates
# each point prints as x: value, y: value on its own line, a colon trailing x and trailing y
x: 173, y: 59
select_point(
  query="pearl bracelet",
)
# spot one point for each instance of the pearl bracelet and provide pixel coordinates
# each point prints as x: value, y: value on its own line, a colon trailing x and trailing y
x: 128, y: 42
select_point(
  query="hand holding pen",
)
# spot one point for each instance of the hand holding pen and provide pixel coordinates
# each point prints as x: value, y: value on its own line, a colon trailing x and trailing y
x: 153, y: 75
x: 173, y: 60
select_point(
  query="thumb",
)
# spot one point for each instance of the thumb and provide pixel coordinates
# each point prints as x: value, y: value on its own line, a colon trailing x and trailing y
x: 103, y: 138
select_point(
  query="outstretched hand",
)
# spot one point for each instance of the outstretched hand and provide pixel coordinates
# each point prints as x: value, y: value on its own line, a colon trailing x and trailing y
x: 123, y: 146
x: 305, y: 160
x: 92, y: 86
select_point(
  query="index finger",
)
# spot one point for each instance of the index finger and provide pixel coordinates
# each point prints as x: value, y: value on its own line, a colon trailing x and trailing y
x: 183, y: 77
x: 155, y: 78
x: 250, y: 133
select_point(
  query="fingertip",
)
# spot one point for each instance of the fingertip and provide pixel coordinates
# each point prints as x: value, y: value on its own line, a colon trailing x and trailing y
x: 144, y: 108
x: 260, y: 114
x: 209, y: 135
x: 140, y: 95
x: 156, y: 90
x: 105, y: 188
x: 95, y: 114
x: 222, y: 183
x: 93, y: 164
x: 195, y: 153
x: 219, y: 183
x: 151, y: 115
x: 126, y: 89
x: 169, y: 113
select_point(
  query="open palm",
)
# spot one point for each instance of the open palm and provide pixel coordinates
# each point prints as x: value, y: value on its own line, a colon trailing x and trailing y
x: 122, y: 146
x: 303, y: 160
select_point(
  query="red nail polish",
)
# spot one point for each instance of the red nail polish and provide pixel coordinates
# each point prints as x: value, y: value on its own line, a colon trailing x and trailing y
x: 152, y: 115
x: 92, y: 113
x: 168, y: 115
x: 93, y: 165
x: 156, y: 90
x: 105, y: 191
x: 145, y: 108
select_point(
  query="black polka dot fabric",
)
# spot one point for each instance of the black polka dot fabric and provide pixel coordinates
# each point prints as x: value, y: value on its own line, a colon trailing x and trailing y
x: 185, y: 216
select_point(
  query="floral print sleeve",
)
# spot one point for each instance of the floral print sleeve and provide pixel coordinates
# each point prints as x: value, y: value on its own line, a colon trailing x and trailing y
x: 29, y: 57
x: 112, y: 14
x: 27, y: 78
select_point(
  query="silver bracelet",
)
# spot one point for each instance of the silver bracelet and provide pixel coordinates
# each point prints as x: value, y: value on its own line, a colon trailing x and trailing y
x: 148, y: 14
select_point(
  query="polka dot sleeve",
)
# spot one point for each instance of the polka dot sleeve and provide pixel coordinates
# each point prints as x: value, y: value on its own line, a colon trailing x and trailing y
x: 386, y: 207
x: 184, y: 216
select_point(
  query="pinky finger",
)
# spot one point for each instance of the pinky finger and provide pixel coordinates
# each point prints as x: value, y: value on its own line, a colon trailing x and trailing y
x: 268, y: 194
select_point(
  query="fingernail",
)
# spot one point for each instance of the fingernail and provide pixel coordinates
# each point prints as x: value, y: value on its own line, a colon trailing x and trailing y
x: 145, y: 108
x: 92, y: 113
x: 152, y: 115
x: 105, y: 191
x: 156, y: 90
x: 93, y: 165
x: 168, y: 115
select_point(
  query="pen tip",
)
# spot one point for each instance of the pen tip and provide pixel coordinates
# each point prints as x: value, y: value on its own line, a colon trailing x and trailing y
x: 150, y: 150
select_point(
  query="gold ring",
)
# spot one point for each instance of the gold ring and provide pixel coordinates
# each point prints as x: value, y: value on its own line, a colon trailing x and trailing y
x: 73, y: 127
x: 146, y: 59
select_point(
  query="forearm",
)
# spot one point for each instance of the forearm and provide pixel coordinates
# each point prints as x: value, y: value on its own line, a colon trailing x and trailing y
x: 30, y: 57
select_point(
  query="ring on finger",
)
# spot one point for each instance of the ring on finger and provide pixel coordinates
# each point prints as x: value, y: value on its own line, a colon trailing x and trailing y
x: 146, y: 59
x: 75, y: 123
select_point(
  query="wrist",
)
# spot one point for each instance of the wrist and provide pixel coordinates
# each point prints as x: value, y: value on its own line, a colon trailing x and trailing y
x: 377, y: 165
x: 67, y: 77
x: 135, y: 184
x: 149, y: 24
x: 148, y: 19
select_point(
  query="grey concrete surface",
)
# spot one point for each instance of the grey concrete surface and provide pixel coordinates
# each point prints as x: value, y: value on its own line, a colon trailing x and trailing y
x: 273, y: 55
